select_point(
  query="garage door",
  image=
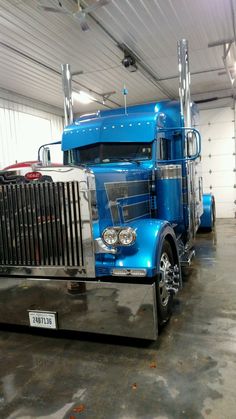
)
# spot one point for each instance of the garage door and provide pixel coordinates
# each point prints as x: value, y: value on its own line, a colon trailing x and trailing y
x: 218, y: 158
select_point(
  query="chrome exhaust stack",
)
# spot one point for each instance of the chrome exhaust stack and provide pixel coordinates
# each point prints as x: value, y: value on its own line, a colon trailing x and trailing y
x: 184, y: 81
x: 67, y: 90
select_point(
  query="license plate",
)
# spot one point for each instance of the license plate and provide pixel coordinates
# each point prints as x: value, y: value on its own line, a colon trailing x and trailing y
x: 44, y: 319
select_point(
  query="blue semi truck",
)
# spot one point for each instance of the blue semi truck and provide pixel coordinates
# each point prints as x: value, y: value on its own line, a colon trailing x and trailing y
x: 97, y: 244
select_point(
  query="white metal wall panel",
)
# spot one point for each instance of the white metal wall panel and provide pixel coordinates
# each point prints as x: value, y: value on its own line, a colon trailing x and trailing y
x: 218, y: 158
x: 23, y: 130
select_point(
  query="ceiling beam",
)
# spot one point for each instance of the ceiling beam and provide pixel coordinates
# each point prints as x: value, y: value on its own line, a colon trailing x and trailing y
x: 147, y: 72
x: 194, y: 73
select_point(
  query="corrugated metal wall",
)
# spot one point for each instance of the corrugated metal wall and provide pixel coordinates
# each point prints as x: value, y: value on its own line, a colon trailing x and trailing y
x: 23, y: 129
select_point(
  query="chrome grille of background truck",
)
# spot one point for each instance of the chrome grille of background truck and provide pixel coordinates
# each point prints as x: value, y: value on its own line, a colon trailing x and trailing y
x: 45, y: 229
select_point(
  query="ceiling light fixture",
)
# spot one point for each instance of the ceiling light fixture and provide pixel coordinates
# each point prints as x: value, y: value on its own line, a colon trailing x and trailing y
x: 83, y: 97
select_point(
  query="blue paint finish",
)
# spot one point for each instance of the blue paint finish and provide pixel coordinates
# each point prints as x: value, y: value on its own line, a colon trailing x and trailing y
x: 132, y: 128
x: 207, y: 217
x: 168, y: 110
x: 116, y: 206
x: 145, y: 254
x: 140, y: 124
x: 169, y: 200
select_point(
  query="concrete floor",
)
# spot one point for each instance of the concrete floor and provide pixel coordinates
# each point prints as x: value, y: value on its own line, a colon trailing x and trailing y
x: 189, y: 373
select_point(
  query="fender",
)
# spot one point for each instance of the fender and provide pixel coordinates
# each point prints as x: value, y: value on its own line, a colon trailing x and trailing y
x: 208, y: 216
x: 146, y: 251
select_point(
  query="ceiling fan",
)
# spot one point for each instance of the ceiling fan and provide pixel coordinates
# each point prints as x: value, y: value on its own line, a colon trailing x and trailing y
x: 80, y: 14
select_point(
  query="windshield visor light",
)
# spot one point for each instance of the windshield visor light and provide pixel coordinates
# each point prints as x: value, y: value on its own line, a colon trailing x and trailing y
x: 127, y: 236
x: 110, y: 236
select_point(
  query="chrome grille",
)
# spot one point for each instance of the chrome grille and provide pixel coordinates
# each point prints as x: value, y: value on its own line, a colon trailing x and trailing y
x: 40, y: 225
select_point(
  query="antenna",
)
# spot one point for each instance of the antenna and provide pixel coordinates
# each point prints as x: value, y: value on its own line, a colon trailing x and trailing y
x: 125, y: 93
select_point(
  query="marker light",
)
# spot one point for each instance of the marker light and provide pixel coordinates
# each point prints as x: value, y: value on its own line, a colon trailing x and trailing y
x: 129, y: 272
x: 110, y: 236
x: 127, y: 236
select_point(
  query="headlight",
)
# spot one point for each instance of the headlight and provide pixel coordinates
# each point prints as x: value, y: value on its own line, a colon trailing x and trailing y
x: 127, y: 236
x: 119, y: 236
x: 110, y: 236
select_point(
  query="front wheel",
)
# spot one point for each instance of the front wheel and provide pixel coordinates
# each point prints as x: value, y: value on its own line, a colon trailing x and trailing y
x: 168, y: 283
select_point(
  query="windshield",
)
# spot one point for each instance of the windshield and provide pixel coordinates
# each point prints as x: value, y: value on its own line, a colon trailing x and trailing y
x: 110, y: 152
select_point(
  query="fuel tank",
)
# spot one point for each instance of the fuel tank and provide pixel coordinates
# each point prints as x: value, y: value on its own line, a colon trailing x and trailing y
x: 169, y: 193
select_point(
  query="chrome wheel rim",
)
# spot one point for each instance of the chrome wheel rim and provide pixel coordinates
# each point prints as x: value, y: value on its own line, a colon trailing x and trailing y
x: 165, y: 268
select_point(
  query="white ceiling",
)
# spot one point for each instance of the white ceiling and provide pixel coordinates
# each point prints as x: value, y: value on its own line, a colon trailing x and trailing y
x: 33, y: 44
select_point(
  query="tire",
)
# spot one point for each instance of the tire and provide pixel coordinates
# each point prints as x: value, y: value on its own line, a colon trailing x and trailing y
x: 213, y: 217
x: 213, y: 210
x: 164, y: 298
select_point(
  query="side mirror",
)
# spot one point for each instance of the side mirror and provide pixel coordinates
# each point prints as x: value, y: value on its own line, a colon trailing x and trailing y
x: 192, y: 144
x: 190, y: 139
x: 46, y: 154
x: 46, y: 158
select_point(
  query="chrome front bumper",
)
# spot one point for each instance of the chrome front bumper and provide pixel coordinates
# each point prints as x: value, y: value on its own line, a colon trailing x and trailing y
x: 98, y: 307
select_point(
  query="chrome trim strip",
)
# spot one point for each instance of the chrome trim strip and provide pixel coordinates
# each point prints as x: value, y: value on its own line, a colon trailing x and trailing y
x: 184, y: 81
x: 169, y: 171
x: 145, y: 204
x: 100, y: 247
x: 186, y: 258
x: 86, y: 214
x: 44, y: 271
x: 67, y: 90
